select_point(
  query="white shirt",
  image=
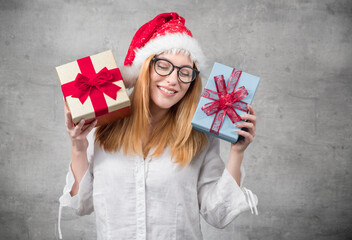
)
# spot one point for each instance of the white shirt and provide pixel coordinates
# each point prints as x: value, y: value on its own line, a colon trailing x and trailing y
x: 153, y: 198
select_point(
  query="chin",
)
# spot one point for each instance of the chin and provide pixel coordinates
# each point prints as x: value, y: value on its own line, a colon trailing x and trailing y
x: 164, y: 104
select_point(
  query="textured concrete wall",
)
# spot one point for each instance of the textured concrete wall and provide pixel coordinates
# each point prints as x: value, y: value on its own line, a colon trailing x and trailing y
x: 300, y: 163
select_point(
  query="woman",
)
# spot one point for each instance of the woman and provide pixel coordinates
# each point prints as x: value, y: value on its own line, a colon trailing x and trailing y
x: 150, y: 175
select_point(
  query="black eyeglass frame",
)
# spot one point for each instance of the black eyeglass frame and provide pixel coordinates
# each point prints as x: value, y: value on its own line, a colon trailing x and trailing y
x: 155, y: 60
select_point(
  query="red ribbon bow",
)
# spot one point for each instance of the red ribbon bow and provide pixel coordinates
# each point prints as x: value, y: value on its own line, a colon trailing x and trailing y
x: 226, y: 100
x: 90, y: 83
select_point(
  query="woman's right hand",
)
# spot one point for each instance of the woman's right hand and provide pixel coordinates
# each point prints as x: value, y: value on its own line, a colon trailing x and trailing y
x: 77, y: 134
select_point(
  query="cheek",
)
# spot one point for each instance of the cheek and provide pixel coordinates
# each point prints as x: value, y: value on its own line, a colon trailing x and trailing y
x: 184, y: 89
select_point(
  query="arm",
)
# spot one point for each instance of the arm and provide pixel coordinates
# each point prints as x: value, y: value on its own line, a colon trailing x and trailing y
x: 220, y: 192
x: 220, y: 197
x: 79, y: 162
x: 78, y: 190
x: 79, y: 165
x: 237, y: 150
x: 234, y: 165
x: 81, y: 200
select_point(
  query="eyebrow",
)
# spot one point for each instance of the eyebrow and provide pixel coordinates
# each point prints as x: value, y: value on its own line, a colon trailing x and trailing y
x: 173, y: 63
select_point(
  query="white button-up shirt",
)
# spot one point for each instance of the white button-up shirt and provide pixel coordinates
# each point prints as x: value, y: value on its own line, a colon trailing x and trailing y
x: 153, y: 198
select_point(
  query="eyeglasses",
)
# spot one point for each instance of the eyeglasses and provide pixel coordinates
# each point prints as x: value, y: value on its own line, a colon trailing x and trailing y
x: 185, y: 74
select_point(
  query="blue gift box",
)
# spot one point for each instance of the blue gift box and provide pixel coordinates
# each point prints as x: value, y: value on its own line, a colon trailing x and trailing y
x: 202, y: 122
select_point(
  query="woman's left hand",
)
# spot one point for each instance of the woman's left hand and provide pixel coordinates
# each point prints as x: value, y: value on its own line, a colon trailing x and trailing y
x: 248, y: 136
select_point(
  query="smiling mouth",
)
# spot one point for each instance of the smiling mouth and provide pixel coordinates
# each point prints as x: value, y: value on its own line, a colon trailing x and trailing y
x: 166, y: 91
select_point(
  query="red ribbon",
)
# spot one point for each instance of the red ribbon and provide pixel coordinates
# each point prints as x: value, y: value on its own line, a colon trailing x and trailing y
x: 226, y: 100
x: 90, y: 83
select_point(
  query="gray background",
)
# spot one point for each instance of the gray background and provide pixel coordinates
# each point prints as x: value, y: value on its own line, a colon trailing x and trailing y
x: 300, y: 162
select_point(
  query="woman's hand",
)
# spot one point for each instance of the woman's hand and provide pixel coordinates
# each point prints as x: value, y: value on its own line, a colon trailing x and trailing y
x: 248, y: 137
x: 77, y: 134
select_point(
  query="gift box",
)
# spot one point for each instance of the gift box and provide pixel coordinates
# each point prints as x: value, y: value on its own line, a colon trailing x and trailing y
x: 224, y: 99
x: 94, y: 89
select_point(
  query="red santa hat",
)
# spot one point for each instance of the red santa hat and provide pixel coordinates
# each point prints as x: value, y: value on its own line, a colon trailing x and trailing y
x: 165, y: 33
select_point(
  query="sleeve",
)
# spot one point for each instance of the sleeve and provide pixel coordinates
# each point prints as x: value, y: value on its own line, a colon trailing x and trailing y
x: 82, y: 202
x: 221, y: 199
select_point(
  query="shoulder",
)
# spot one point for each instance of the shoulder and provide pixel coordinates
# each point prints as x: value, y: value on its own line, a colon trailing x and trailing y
x: 213, y: 140
x: 212, y: 143
x: 212, y: 147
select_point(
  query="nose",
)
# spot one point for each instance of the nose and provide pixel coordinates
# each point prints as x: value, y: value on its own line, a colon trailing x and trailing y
x: 172, y: 79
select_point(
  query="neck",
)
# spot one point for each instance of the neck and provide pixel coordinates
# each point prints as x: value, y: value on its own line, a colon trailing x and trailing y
x: 156, y: 114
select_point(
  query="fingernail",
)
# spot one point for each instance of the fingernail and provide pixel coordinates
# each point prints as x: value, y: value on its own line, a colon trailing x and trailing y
x: 237, y: 124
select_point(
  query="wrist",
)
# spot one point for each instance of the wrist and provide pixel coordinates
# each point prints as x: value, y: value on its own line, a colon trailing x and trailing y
x: 78, y: 148
x: 236, y: 157
x: 235, y: 150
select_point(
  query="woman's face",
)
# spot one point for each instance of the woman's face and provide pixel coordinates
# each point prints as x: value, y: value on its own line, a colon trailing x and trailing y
x: 166, y: 91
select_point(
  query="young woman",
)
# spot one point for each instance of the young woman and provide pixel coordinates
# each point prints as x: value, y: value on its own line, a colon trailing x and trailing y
x: 150, y: 175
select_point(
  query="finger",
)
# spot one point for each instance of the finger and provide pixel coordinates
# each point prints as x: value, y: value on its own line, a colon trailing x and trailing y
x: 89, y: 128
x: 250, y: 126
x: 249, y: 117
x: 78, y: 128
x: 251, y: 110
x: 245, y: 134
x: 80, y: 124
x: 244, y: 124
